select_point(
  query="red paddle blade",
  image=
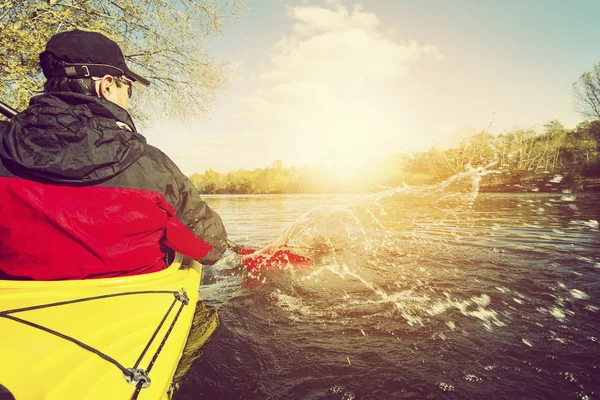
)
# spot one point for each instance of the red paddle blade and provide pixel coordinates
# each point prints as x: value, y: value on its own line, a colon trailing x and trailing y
x: 245, y: 252
x: 278, y: 259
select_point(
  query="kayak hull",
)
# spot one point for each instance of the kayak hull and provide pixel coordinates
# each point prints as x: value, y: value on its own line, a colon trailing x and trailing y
x: 79, y: 339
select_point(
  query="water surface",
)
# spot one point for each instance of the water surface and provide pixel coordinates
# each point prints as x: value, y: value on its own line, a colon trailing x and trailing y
x: 436, y: 292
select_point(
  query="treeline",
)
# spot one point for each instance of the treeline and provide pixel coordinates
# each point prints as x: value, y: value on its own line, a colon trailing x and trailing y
x: 519, y: 154
x: 272, y: 180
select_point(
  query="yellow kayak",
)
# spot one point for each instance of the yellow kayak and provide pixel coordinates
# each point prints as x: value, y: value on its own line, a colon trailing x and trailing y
x: 114, y: 338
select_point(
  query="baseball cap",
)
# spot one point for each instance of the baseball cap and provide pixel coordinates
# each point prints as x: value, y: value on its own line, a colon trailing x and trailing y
x: 87, y: 54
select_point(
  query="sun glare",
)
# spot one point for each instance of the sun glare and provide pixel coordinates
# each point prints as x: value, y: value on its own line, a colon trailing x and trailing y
x: 351, y: 135
x: 348, y: 157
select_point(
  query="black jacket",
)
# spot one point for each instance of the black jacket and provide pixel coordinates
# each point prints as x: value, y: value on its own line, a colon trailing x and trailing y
x: 76, y: 140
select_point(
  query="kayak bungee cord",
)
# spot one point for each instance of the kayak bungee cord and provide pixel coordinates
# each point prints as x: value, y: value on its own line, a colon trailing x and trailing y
x: 141, y: 384
x: 70, y: 339
x: 134, y: 376
x: 154, y: 334
x: 60, y: 303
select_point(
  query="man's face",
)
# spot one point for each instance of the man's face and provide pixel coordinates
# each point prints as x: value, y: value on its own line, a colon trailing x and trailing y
x: 124, y: 90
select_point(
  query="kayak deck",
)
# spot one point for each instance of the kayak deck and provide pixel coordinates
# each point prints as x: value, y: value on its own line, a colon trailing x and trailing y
x: 96, y: 339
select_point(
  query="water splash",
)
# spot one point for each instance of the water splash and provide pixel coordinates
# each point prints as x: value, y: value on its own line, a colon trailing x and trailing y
x: 470, y: 292
x: 355, y: 243
x: 368, y: 223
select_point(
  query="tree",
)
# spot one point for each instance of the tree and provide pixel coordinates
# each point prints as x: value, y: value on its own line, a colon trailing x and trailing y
x: 594, y: 131
x: 164, y: 40
x: 587, y: 93
x: 481, y: 151
x: 587, y: 136
x: 553, y: 139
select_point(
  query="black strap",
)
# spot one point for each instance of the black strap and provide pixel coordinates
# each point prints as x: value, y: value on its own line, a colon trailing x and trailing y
x: 162, y: 344
x: 88, y: 70
x: 70, y: 339
x: 154, y: 335
x: 138, y: 387
x: 62, y: 303
x: 182, y: 297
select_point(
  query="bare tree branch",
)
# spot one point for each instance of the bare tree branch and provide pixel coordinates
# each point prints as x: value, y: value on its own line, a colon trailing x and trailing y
x: 587, y: 93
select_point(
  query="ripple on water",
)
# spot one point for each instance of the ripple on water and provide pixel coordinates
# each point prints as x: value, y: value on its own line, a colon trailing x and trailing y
x: 569, y: 377
x: 527, y: 342
x: 446, y: 387
x: 472, y: 378
x: 336, y: 389
x: 579, y: 294
x: 557, y: 313
x: 348, y: 396
x: 591, y: 223
x: 397, y: 279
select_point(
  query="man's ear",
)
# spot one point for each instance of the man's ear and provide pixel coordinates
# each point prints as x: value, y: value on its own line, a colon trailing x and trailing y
x: 106, y: 87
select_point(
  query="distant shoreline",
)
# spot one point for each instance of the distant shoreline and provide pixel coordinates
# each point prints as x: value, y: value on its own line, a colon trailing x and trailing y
x: 491, y: 183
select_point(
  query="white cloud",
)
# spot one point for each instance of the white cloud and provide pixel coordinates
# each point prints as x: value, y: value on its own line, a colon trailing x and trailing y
x: 335, y: 64
x: 332, y: 47
x: 314, y: 20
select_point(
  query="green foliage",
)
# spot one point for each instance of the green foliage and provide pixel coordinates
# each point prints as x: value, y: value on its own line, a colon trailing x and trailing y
x: 556, y: 149
x: 521, y: 152
x: 271, y: 180
x: 164, y: 40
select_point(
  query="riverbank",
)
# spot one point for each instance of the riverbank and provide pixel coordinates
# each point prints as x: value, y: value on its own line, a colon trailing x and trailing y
x: 493, y: 182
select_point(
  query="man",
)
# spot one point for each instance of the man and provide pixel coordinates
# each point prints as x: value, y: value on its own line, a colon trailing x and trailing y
x: 82, y: 195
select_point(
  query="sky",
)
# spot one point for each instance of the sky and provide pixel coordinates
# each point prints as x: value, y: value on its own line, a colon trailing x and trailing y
x: 338, y: 84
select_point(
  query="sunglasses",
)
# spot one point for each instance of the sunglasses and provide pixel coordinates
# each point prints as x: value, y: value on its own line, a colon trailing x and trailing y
x: 128, y: 82
x: 121, y: 79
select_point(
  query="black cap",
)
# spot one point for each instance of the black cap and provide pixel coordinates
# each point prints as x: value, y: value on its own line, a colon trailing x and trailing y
x: 88, y: 54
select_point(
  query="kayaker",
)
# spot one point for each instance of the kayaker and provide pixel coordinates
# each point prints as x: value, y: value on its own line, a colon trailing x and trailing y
x: 82, y: 195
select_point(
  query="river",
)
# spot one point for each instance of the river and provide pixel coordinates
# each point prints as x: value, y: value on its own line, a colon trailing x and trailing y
x: 434, y: 292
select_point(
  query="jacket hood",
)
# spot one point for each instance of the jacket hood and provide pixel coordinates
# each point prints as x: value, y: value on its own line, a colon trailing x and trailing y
x: 70, y: 138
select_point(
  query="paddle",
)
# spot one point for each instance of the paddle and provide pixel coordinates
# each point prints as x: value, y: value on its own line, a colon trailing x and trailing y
x: 7, y: 110
x: 252, y: 259
x: 268, y: 258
